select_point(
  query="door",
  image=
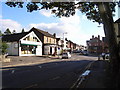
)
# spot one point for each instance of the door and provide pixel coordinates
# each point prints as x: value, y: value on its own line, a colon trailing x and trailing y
x: 50, y: 50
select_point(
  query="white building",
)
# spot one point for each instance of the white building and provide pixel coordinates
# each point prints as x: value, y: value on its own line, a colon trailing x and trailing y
x: 23, y: 44
x: 48, y: 40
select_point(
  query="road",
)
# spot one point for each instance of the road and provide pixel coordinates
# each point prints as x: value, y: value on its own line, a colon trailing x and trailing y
x: 59, y: 74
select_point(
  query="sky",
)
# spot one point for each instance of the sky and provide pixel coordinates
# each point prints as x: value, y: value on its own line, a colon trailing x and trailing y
x: 78, y: 27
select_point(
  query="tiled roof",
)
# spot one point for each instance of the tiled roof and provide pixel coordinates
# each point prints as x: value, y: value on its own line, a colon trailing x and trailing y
x: 14, y: 37
x: 43, y: 32
x: 18, y: 36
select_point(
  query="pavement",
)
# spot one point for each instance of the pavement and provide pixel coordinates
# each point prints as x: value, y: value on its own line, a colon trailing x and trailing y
x: 99, y: 76
x: 28, y: 60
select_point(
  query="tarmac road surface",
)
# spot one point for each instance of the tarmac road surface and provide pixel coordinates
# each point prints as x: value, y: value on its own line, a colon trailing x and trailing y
x: 57, y: 74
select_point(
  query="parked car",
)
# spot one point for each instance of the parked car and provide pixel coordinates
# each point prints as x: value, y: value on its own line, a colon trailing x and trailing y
x: 66, y: 55
x: 107, y: 55
x: 104, y: 56
x: 85, y: 52
x: 76, y: 51
x: 81, y: 53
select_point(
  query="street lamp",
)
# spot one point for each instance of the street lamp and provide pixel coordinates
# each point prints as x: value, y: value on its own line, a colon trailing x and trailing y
x: 64, y: 47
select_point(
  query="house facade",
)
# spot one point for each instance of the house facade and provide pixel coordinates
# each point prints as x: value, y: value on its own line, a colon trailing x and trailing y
x: 59, y: 46
x: 48, y: 40
x: 23, y: 44
x: 94, y: 45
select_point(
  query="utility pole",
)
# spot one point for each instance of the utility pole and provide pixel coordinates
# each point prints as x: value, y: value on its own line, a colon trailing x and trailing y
x: 64, y: 47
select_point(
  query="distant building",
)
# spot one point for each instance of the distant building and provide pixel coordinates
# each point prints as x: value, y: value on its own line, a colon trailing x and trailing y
x: 72, y: 46
x: 105, y: 45
x: 82, y: 47
x: 59, y: 45
x: 96, y: 46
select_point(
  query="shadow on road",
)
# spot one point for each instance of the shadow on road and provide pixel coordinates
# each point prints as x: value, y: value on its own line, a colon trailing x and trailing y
x: 58, y: 74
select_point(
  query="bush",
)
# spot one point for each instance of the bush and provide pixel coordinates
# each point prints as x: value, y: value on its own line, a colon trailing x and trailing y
x: 4, y: 47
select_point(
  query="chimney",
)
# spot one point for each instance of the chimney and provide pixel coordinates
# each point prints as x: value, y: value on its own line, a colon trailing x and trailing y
x: 98, y: 37
x: 54, y: 34
x: 92, y: 36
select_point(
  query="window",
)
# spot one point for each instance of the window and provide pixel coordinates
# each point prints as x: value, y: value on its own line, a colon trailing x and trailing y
x: 28, y: 38
x: 28, y: 49
x: 35, y: 39
x: 50, y: 40
x: 15, y: 45
x: 47, y: 39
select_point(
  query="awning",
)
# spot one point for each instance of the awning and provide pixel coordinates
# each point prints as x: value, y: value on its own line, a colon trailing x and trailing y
x: 28, y: 44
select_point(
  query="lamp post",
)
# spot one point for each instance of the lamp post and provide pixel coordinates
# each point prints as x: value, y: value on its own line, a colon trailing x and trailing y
x: 64, y: 47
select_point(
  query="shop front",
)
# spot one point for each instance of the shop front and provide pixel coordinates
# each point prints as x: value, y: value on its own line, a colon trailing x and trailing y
x: 30, y: 50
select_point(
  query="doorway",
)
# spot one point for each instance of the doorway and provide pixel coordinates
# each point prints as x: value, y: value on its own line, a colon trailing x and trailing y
x: 50, y: 50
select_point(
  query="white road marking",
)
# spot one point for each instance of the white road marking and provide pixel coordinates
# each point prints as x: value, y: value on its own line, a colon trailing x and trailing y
x: 86, y: 73
x: 13, y: 71
x: 55, y: 78
x: 31, y: 86
x: 40, y: 66
x: 80, y: 79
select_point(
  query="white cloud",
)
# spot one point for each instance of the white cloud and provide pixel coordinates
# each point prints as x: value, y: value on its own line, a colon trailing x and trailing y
x: 71, y: 25
x: 12, y: 25
x: 46, y: 13
x: 0, y: 16
x: 57, y: 28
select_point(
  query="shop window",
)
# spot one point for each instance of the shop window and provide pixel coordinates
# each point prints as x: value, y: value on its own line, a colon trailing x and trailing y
x: 28, y: 49
x: 15, y: 45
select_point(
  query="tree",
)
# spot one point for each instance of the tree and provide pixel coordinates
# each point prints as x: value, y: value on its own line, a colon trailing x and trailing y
x: 101, y: 12
x: 0, y: 33
x: 23, y: 30
x: 4, y: 47
x: 7, y: 32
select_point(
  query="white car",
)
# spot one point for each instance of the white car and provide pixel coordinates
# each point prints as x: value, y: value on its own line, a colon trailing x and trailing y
x: 66, y: 55
x: 107, y: 56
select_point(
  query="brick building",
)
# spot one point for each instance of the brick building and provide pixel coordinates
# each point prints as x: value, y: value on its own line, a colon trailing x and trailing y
x: 97, y: 46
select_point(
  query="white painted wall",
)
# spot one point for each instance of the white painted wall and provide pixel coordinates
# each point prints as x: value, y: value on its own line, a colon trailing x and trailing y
x: 39, y: 50
x: 53, y: 50
x: 12, y: 48
x: 59, y: 50
x: 46, y: 50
